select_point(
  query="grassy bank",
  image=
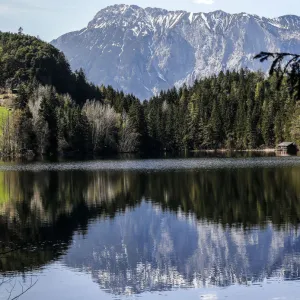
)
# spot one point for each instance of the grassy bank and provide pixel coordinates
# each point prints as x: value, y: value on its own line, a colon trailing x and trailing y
x: 4, y: 114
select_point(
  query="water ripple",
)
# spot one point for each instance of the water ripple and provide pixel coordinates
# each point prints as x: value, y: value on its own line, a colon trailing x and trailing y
x: 157, y: 164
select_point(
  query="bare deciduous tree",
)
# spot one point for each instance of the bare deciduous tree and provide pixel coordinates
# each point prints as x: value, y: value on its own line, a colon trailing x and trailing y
x: 40, y: 127
x: 7, y: 143
x: 128, y: 136
x: 103, y: 121
x: 36, y: 99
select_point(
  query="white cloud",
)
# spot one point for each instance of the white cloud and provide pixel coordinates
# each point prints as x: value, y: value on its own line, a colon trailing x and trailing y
x: 207, y: 2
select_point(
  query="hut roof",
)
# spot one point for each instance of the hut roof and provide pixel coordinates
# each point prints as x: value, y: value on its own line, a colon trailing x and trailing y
x: 286, y: 144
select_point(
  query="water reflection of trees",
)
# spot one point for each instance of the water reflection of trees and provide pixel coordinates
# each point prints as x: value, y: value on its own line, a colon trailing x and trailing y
x: 46, y: 208
x: 246, y: 196
x: 41, y: 211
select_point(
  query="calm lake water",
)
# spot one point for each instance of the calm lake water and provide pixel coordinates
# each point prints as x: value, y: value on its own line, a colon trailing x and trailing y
x: 203, y: 228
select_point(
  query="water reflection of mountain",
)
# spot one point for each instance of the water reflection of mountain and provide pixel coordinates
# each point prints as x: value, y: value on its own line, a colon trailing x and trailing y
x: 148, y: 250
x: 138, y: 231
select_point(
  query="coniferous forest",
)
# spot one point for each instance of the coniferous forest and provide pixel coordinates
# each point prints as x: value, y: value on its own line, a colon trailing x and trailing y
x: 48, y: 109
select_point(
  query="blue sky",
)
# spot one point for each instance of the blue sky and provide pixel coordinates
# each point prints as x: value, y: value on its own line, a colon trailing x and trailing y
x: 51, y: 18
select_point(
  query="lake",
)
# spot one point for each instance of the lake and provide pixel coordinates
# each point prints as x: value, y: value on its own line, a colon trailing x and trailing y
x: 197, y: 228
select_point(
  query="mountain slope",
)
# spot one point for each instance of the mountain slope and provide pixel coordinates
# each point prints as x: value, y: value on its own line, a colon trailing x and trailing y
x: 142, y: 51
x: 26, y: 59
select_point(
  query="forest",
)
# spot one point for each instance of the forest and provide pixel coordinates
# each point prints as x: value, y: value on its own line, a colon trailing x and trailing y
x: 46, y: 109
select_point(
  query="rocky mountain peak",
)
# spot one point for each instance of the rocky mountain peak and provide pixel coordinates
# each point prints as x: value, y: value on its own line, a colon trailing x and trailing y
x: 143, y: 51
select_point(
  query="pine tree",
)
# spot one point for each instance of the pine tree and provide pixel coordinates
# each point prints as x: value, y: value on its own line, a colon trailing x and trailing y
x: 48, y: 115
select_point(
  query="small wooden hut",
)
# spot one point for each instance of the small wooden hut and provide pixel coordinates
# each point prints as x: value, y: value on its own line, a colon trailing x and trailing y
x: 287, y: 147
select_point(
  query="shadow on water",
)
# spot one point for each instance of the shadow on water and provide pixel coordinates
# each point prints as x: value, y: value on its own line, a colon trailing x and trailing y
x: 147, y: 229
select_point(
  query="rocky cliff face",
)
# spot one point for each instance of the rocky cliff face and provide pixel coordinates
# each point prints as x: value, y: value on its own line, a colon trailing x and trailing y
x: 143, y: 51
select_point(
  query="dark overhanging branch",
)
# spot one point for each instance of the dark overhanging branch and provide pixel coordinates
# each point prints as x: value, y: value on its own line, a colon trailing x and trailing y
x: 284, y: 64
x: 10, y: 281
x: 24, y: 290
x: 4, y: 281
x: 289, y: 60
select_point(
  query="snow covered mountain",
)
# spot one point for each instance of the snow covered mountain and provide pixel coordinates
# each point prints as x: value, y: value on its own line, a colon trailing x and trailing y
x: 143, y: 51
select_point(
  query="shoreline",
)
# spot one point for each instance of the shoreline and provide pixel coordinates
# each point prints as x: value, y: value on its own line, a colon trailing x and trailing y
x: 267, y: 150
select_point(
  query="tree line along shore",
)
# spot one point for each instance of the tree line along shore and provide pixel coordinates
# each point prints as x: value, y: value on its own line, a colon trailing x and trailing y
x: 46, y: 109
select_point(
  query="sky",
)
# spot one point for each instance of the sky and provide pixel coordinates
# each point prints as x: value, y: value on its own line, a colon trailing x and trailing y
x: 51, y: 18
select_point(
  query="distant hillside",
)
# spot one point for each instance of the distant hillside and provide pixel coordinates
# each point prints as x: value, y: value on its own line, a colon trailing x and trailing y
x: 143, y: 51
x: 46, y: 109
x: 24, y: 58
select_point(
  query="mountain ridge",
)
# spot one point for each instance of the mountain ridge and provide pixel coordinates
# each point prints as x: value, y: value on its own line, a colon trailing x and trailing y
x: 143, y: 51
